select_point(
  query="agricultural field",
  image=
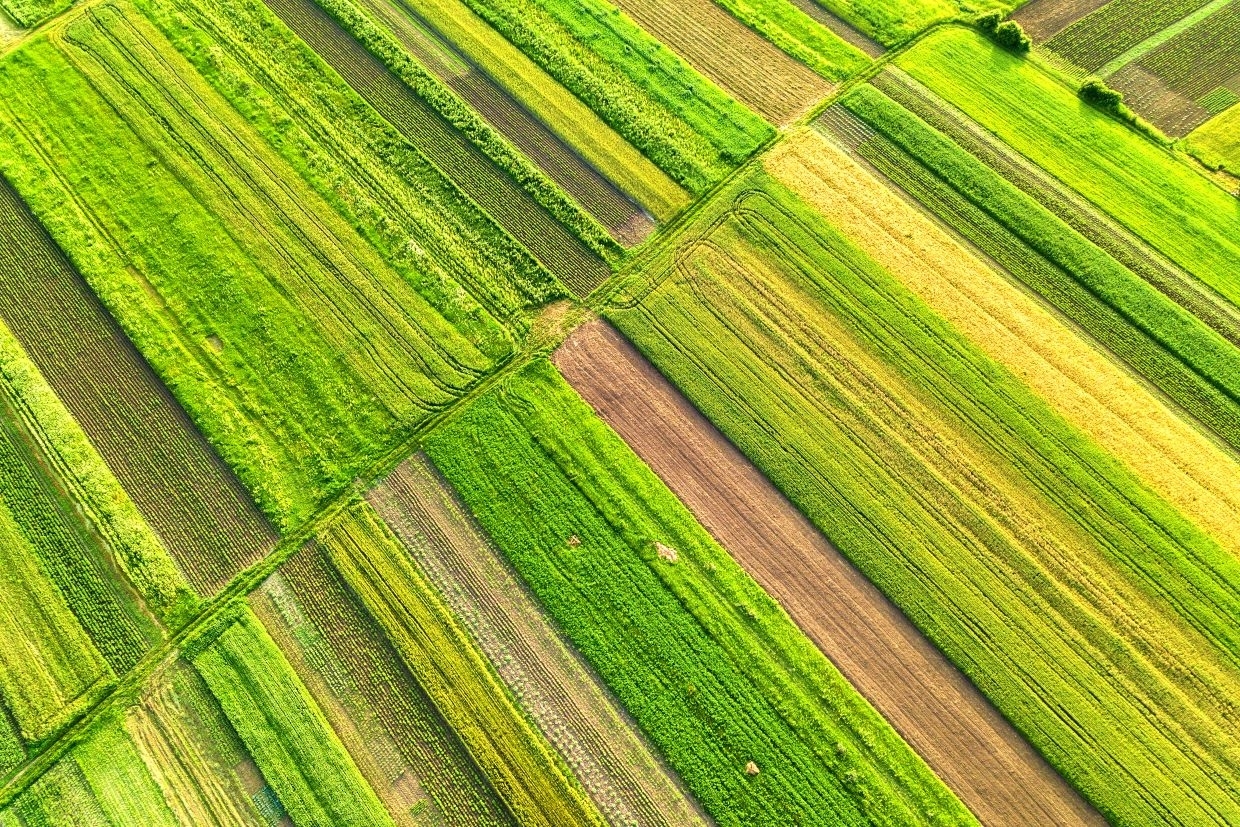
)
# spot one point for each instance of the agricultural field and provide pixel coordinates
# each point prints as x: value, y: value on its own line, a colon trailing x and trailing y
x: 619, y: 413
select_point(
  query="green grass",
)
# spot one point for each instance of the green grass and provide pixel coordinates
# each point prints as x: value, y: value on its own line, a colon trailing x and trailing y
x: 516, y: 760
x: 298, y: 352
x: 682, y: 122
x: 118, y: 778
x: 1217, y: 142
x: 1147, y: 189
x: 1014, y: 543
x: 284, y: 731
x: 711, y: 668
x: 29, y: 13
x: 1166, y: 344
x: 798, y: 34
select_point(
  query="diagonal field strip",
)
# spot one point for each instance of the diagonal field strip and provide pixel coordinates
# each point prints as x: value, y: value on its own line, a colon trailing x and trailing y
x: 931, y: 704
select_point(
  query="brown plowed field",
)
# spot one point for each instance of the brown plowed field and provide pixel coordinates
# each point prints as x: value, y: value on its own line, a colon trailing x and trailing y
x: 942, y: 716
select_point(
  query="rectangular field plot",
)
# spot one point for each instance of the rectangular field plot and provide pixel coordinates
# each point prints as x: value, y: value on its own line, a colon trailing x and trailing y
x: 1069, y: 593
x: 560, y: 694
x: 738, y: 700
x: 1107, y: 33
x: 299, y: 353
x: 184, y: 492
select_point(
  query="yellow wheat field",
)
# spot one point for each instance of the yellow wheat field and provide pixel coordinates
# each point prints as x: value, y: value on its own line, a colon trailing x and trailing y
x: 1081, y: 383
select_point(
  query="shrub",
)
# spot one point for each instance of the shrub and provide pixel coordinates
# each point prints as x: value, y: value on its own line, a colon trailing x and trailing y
x: 1006, y: 33
x: 1096, y: 93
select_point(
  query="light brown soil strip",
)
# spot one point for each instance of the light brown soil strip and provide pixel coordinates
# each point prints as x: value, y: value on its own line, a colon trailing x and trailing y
x: 555, y: 688
x: 732, y: 55
x: 1043, y: 19
x: 941, y: 715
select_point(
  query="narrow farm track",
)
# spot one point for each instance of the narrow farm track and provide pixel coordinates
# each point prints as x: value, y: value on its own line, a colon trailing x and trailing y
x: 563, y: 254
x: 183, y: 489
x: 942, y: 716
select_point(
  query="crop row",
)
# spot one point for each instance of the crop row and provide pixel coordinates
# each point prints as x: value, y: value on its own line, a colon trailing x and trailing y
x: 1073, y: 209
x: 1202, y: 58
x: 1100, y: 37
x: 1071, y: 596
x: 389, y: 84
x: 598, y: 195
x: 732, y: 55
x: 678, y: 119
x: 182, y: 490
x: 517, y: 762
x: 709, y: 666
x: 563, y: 698
x: 788, y: 25
x: 361, y: 658
x: 478, y: 277
x: 1158, y: 339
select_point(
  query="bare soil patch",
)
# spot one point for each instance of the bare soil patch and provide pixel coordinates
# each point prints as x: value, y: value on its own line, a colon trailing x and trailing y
x: 1043, y: 19
x: 930, y: 703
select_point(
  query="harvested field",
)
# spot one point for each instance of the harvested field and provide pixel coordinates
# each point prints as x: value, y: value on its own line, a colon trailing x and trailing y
x: 942, y: 716
x: 556, y: 689
x: 599, y: 196
x: 563, y: 254
x: 184, y: 491
x: 1042, y: 19
x: 732, y: 55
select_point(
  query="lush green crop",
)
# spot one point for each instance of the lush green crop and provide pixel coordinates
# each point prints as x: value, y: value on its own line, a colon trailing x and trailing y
x: 296, y: 349
x: 892, y: 22
x: 31, y: 12
x: 1149, y: 190
x: 711, y: 668
x: 299, y: 755
x: 1160, y: 340
x: 1014, y: 543
x: 681, y: 121
x: 119, y: 780
x: 801, y: 36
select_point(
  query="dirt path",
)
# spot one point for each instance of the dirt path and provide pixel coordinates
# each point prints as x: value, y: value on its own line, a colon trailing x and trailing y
x: 950, y: 724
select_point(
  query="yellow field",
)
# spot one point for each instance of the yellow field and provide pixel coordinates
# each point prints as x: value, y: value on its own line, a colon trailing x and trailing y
x: 1085, y: 387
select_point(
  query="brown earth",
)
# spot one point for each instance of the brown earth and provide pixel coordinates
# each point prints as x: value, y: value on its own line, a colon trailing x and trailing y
x: 732, y: 55
x: 930, y: 703
x: 1043, y: 19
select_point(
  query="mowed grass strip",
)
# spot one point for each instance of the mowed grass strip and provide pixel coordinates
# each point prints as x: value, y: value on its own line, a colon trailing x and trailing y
x: 517, y: 761
x: 732, y: 55
x: 682, y: 122
x: 1144, y: 187
x: 1194, y: 365
x: 1068, y: 593
x: 300, y: 756
x: 710, y: 667
x: 296, y: 350
x: 1084, y: 386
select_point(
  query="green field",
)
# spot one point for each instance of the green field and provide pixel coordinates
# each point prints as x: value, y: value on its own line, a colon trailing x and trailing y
x: 244, y: 291
x: 1020, y: 560
x: 695, y: 651
x: 1144, y: 187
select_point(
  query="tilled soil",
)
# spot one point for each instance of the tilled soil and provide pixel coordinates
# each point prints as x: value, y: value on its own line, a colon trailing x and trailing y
x: 1043, y: 19
x: 976, y: 752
